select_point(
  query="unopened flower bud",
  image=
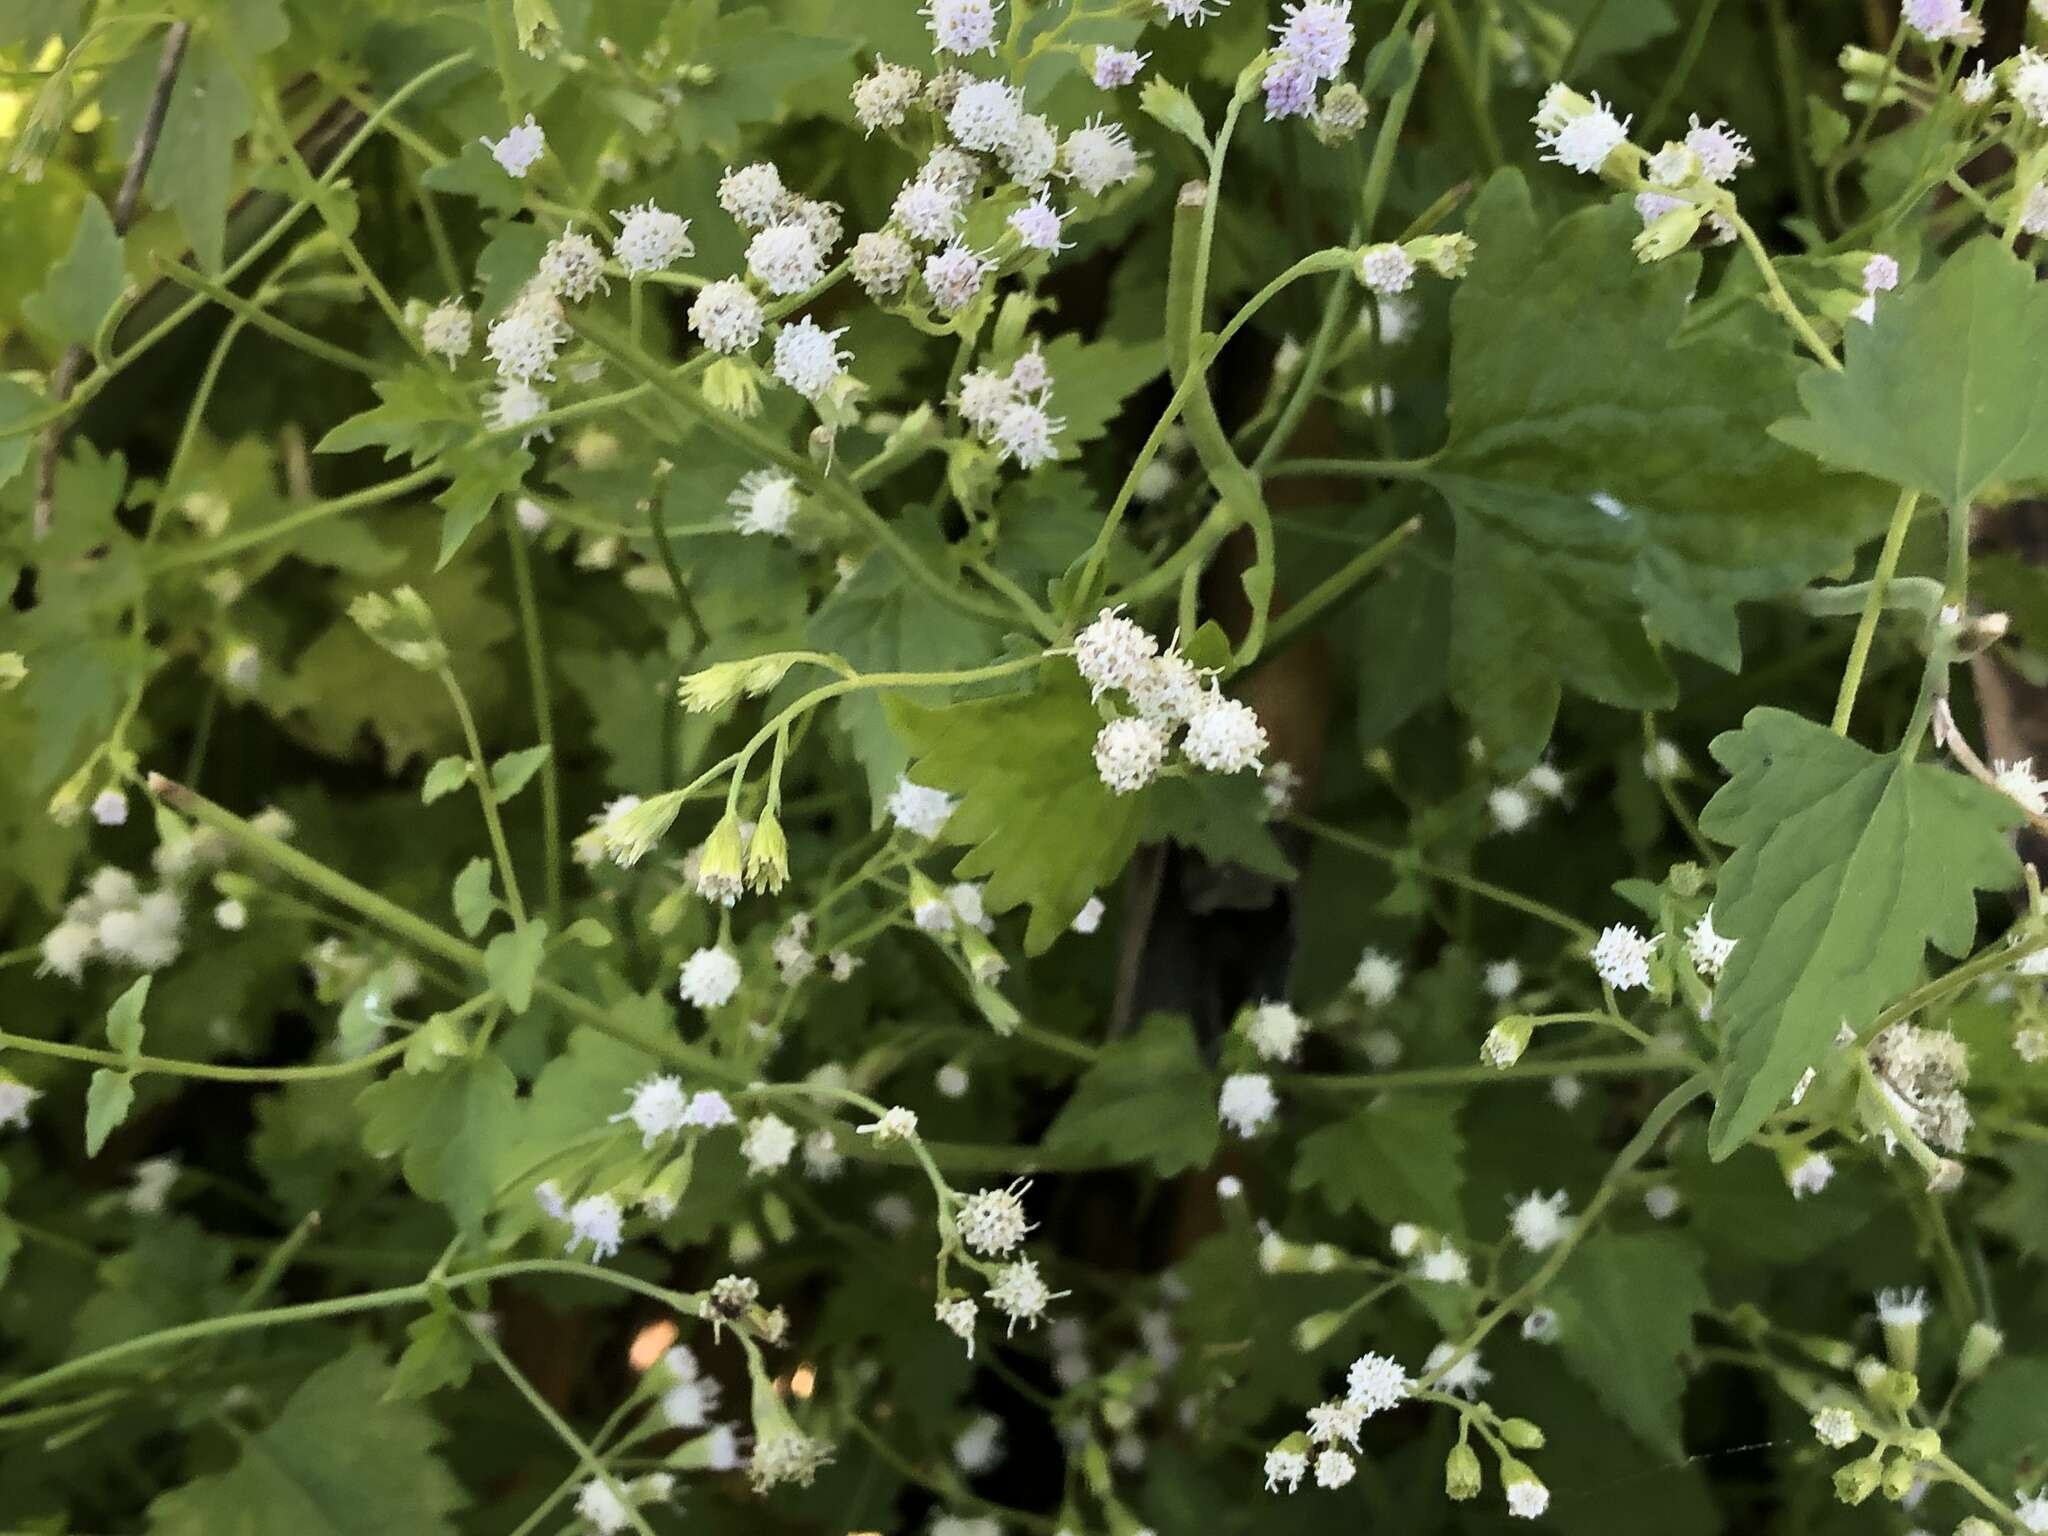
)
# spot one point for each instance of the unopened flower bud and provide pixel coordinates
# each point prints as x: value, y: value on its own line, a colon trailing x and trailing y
x: 1314, y: 1331
x: 1505, y: 1042
x: 1521, y: 1434
x: 1463, y: 1476
x: 733, y: 385
x: 1858, y: 1480
x: 1981, y: 1345
x: 768, y: 855
x: 1899, y: 1475
x: 1668, y: 234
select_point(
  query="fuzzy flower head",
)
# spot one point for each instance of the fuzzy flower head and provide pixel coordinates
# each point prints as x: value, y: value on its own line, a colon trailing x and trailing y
x: 710, y: 977
x: 656, y: 1109
x: 2028, y: 83
x: 1578, y: 132
x: 785, y: 257
x: 992, y: 1221
x: 1622, y: 957
x: 787, y: 1457
x: 1318, y: 35
x: 1098, y: 156
x: 1031, y: 152
x: 1021, y: 1294
x: 1025, y: 433
x: 595, y: 1219
x: 1285, y: 1468
x: 985, y: 114
x: 1708, y: 949
x: 1527, y: 1495
x: 808, y: 358
x: 1334, y: 1468
x: 524, y: 341
x: 753, y: 194
x: 1189, y: 13
x: 1376, y: 1383
x: 1835, y: 1427
x: 650, y: 239
x: 2018, y: 780
x: 1037, y: 225
x: 1462, y: 1374
x: 884, y: 98
x: 1376, y: 977
x: 1224, y: 735
x: 1811, y: 1174
x: 1386, y: 269
x: 954, y: 277
x: 449, y: 331
x: 1129, y: 752
x: 572, y: 266
x: 1721, y: 150
x: 769, y: 1143
x: 1290, y: 87
x: 1247, y: 1102
x: 1539, y: 1221
x: 1275, y: 1031
x: 520, y: 149
x: 726, y: 316
x: 1942, y: 21
x: 962, y: 26
x: 882, y: 262
x: 917, y: 810
x: 928, y: 210
x: 1112, y: 651
x: 15, y: 1098
x: 765, y: 501
x: 515, y: 406
x: 1116, y: 67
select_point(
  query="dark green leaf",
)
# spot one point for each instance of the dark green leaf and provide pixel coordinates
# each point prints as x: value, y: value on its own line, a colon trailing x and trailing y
x: 511, y: 773
x: 108, y: 1098
x: 1148, y: 1098
x: 84, y: 286
x: 512, y: 960
x: 1625, y: 1303
x: 452, y: 1128
x: 1399, y: 1158
x: 474, y: 902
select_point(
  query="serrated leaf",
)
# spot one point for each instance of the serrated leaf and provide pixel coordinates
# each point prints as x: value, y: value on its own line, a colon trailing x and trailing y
x: 124, y: 1018
x: 1165, y: 102
x: 85, y: 284
x: 512, y: 960
x: 512, y: 772
x: 192, y: 171
x: 420, y: 416
x: 1399, y: 1158
x: 473, y: 173
x: 451, y: 1130
x: 1221, y: 816
x: 478, y: 475
x: 1847, y: 865
x: 1611, y: 486
x: 342, y: 1458
x: 1095, y: 379
x: 437, y: 1354
x: 1625, y: 1303
x: 446, y: 776
x: 472, y: 896
x: 1149, y: 1098
x: 880, y: 622
x: 1020, y: 764
x: 108, y: 1098
x: 1944, y: 392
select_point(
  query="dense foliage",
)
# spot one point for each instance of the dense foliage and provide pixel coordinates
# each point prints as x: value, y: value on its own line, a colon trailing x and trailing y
x: 1048, y: 766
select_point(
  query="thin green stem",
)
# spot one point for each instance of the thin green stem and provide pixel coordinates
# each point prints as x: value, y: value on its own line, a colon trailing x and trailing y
x: 1866, y: 626
x: 1781, y: 300
x: 1463, y: 70
x: 1681, y: 70
x: 1339, y: 585
x: 207, y: 1070
x: 535, y: 645
x: 1404, y: 858
x: 254, y: 314
x: 487, y: 797
x: 293, y: 522
x: 656, y: 519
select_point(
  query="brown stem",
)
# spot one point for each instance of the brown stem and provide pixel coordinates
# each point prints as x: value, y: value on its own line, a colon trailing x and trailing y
x: 65, y: 379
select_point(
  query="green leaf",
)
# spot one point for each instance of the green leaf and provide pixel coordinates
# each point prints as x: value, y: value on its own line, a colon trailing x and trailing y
x: 1399, y: 1158
x: 510, y: 773
x: 588, y: 932
x: 438, y: 1354
x: 1148, y: 1098
x: 192, y: 171
x: 479, y: 474
x: 84, y: 286
x: 2020, y: 1210
x: 1847, y: 865
x: 1096, y: 378
x: 453, y: 1128
x: 1625, y: 1303
x: 2004, y: 1439
x: 446, y: 776
x: 1021, y: 764
x: 1945, y: 392
x: 537, y: 25
x: 473, y: 900
x: 512, y: 960
x: 473, y: 173
x: 1223, y: 816
x: 342, y: 1458
x: 1611, y: 485
x: 124, y: 1018
x: 880, y: 622
x: 1165, y: 102
x: 108, y: 1098
x: 421, y: 415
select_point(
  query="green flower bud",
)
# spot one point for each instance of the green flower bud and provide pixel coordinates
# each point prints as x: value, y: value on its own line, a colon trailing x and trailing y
x: 1505, y: 1042
x: 1522, y: 1435
x: 1896, y: 1391
x: 1669, y: 233
x: 1981, y: 1345
x: 984, y: 960
x: 716, y: 686
x: 1463, y: 1476
x: 721, y: 863
x: 733, y: 385
x: 1527, y: 1495
x: 665, y: 1191
x: 1899, y: 1476
x: 768, y: 855
x: 1341, y: 113
x: 1920, y: 1444
x: 1976, y: 1525
x: 1448, y: 256
x: 403, y: 625
x: 1858, y: 1480
x: 1314, y: 1331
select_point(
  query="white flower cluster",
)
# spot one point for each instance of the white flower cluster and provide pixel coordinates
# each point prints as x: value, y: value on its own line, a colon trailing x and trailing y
x: 1012, y: 409
x: 1680, y: 176
x: 1923, y: 1073
x: 660, y: 1107
x: 1165, y: 692
x: 115, y: 920
x: 1375, y: 1384
x: 1314, y: 44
